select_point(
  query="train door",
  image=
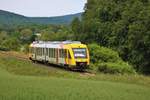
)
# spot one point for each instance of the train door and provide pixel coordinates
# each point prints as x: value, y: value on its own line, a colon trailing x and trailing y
x: 57, y: 55
x: 69, y: 57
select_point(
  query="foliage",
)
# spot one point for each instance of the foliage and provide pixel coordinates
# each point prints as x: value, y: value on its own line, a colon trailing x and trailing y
x: 11, y: 43
x: 108, y: 61
x: 20, y: 37
x: 76, y: 28
x: 120, y: 24
x: 25, y: 35
x: 116, y: 68
x: 102, y: 54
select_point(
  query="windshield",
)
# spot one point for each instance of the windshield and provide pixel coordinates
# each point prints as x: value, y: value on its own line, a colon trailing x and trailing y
x: 79, y: 52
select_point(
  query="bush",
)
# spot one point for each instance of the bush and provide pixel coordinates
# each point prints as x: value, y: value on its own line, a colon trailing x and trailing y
x: 25, y: 48
x: 102, y: 54
x: 116, y: 68
x: 108, y: 61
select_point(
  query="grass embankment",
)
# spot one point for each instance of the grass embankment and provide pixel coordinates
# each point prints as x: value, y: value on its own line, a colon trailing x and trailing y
x: 23, y: 80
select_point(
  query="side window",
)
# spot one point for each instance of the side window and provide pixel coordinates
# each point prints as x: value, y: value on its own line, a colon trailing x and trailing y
x: 36, y: 50
x: 65, y: 53
x: 40, y: 51
x: 46, y: 51
x: 54, y: 53
x: 43, y: 51
x: 49, y: 52
x: 59, y: 53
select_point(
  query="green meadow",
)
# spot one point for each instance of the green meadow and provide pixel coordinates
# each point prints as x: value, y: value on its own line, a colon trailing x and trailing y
x: 23, y: 80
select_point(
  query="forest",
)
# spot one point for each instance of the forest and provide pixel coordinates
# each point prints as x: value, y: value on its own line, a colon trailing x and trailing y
x: 122, y: 26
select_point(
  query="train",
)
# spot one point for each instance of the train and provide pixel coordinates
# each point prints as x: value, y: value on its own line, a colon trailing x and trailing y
x: 69, y: 54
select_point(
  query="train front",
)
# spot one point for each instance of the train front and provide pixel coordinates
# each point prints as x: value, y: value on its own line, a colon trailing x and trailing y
x: 79, y: 56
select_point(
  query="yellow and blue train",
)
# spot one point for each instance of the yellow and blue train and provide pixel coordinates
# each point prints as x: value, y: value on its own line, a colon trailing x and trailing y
x: 71, y: 54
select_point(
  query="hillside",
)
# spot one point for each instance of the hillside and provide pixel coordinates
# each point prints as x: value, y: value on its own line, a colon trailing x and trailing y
x: 24, y: 80
x: 10, y: 19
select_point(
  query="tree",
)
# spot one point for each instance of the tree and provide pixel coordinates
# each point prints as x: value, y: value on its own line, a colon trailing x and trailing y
x: 11, y: 43
x: 26, y: 35
x: 76, y: 27
x: 3, y: 36
x: 123, y: 25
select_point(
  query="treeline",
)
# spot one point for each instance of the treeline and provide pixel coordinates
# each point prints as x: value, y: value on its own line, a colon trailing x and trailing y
x: 19, y: 37
x: 123, y: 25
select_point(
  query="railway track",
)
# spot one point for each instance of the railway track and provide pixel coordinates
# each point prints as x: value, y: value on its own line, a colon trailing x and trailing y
x: 15, y: 54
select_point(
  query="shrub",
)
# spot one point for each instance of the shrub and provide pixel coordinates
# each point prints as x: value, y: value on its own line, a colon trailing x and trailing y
x: 102, y: 54
x: 116, y: 68
x: 108, y: 61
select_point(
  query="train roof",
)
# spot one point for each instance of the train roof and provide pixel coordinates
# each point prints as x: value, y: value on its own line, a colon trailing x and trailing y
x: 52, y: 44
x: 56, y: 42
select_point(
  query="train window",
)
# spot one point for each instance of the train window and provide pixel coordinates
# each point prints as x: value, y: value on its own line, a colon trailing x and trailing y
x: 33, y: 50
x: 54, y: 53
x: 46, y: 51
x: 49, y: 52
x: 59, y: 53
x: 40, y: 51
x: 65, y: 53
x: 36, y: 50
x: 43, y: 52
x: 62, y: 53
x: 80, y: 52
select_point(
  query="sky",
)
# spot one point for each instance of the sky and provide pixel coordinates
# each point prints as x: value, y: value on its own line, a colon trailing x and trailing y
x: 43, y: 8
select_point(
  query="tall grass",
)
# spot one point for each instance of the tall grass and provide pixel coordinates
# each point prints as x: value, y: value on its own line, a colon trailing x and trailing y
x: 23, y: 80
x: 51, y: 88
x: 23, y: 67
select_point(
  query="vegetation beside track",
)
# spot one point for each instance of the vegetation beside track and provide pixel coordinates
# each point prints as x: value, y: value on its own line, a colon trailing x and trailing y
x: 21, y: 79
x: 18, y: 64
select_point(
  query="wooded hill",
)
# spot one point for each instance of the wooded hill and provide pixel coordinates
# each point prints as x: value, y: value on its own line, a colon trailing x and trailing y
x: 11, y: 19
